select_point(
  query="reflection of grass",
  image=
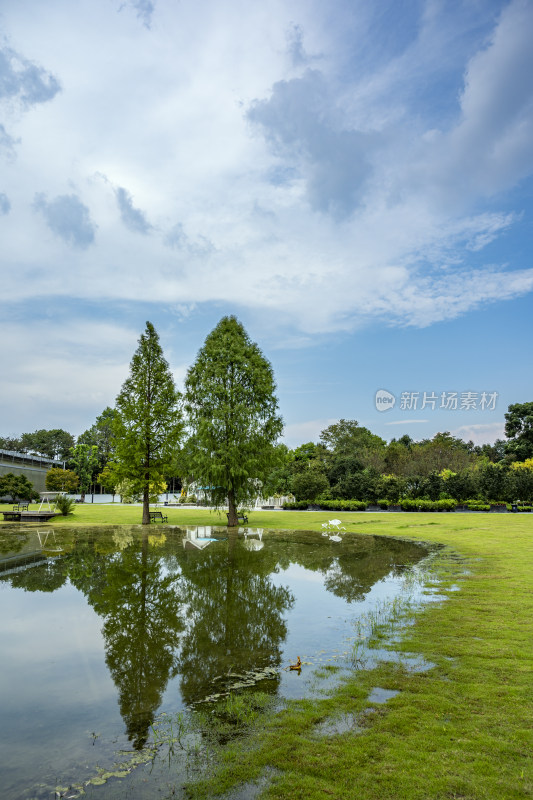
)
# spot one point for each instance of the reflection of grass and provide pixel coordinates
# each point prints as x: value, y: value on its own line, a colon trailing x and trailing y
x: 204, y: 738
x: 325, y: 671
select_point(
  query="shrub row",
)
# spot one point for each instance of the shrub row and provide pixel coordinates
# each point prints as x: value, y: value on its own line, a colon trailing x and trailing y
x: 327, y: 505
x: 406, y: 504
x: 409, y: 504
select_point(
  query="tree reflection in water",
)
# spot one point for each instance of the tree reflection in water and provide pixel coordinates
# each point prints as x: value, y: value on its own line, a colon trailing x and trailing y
x: 235, y: 614
x: 200, y: 614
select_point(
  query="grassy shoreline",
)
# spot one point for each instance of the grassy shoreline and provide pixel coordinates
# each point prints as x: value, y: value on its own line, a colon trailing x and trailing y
x: 461, y: 730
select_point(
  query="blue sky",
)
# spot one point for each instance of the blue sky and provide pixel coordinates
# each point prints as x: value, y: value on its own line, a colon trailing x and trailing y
x: 353, y: 180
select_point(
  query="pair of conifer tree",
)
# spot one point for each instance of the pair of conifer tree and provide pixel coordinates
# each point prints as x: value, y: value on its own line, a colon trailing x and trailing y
x: 222, y: 432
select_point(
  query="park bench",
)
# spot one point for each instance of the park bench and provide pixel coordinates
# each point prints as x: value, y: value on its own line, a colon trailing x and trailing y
x: 242, y: 519
x: 22, y: 505
x: 157, y: 516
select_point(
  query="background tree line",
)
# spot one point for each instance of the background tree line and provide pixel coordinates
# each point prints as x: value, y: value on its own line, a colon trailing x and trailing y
x: 351, y: 463
x: 222, y: 435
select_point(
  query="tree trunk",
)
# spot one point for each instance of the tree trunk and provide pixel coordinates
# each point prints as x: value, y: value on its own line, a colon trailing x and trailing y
x: 146, y: 505
x: 232, y: 509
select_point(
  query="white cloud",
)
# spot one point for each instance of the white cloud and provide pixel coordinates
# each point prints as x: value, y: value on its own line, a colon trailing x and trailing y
x: 481, y: 433
x: 322, y: 179
x: 68, y: 218
x: 492, y: 147
x: 144, y: 9
x: 24, y: 81
x: 5, y: 205
x: 49, y: 371
x: 133, y: 218
x: 308, y: 431
x: 345, y: 202
x: 405, y: 421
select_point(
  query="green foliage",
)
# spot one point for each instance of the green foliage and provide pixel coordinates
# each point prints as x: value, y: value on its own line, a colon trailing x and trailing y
x: 309, y: 483
x: 232, y: 408
x: 109, y: 477
x: 477, y: 506
x: 421, y: 504
x: 348, y: 482
x: 344, y: 505
x: 391, y: 486
x: 17, y: 487
x: 148, y: 424
x: 84, y: 458
x: 461, y: 485
x: 101, y: 436
x: 129, y: 490
x: 126, y: 490
x: 496, y: 480
x: 61, y: 480
x: 12, y: 443
x: 65, y: 504
x: 519, y: 431
x: 347, y: 437
x: 278, y: 481
x: 432, y: 486
x: 55, y: 443
x: 443, y: 452
x: 327, y: 505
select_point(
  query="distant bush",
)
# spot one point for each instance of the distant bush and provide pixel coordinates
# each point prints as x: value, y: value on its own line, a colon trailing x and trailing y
x: 188, y: 499
x: 344, y: 505
x: 65, y: 504
x: 327, y: 505
x: 409, y: 504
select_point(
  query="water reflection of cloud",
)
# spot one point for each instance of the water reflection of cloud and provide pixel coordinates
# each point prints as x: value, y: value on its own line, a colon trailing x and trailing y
x: 56, y: 661
x: 298, y: 573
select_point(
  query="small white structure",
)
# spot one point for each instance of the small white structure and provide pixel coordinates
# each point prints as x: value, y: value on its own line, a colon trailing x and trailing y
x: 335, y: 526
x: 196, y: 539
x: 275, y: 502
x: 254, y: 544
x: 49, y: 498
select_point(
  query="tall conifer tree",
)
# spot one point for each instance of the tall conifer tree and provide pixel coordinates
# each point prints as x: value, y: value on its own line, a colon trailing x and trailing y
x: 232, y: 412
x: 148, y: 423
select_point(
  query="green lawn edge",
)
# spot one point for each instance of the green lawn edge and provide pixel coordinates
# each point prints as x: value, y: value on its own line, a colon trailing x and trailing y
x: 460, y: 730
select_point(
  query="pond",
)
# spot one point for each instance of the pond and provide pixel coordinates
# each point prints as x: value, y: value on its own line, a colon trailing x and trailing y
x: 105, y: 631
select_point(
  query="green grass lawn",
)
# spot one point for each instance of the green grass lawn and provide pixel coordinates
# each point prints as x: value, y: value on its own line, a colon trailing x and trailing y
x: 463, y: 729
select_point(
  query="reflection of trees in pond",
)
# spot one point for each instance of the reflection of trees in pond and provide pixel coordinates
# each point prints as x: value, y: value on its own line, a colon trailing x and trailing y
x: 354, y: 573
x: 235, y: 614
x: 28, y: 564
x: 44, y: 577
x: 149, y: 590
x: 12, y: 542
x: 351, y: 567
x: 142, y: 626
x: 138, y: 603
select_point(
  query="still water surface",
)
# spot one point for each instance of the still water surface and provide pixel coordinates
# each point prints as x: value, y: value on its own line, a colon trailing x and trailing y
x: 104, y: 629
